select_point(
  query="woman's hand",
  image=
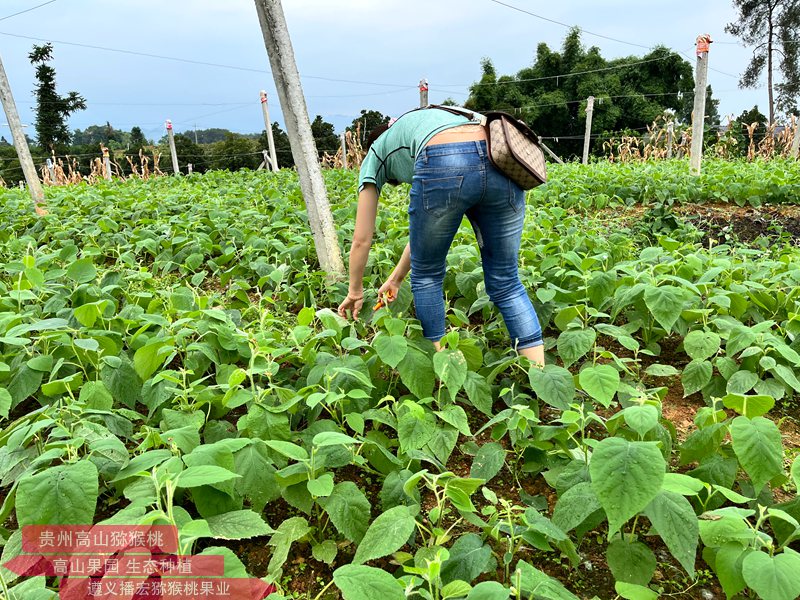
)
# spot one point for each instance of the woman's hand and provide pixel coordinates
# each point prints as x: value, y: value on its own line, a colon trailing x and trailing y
x: 353, y: 303
x: 388, y: 291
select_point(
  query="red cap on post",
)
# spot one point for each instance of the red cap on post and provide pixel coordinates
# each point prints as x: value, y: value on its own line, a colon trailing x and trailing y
x: 703, y: 43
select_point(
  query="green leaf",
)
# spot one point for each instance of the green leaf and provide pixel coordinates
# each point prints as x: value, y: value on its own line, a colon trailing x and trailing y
x: 82, y: 271
x: 728, y: 567
x: 631, y: 591
x: 288, y: 449
x: 575, y: 343
x: 469, y: 558
x: 631, y: 562
x: 479, y: 392
x: 626, y: 476
x: 700, y: 345
x: 788, y: 377
x: 553, y: 385
x: 96, y: 396
x: 796, y: 472
x: 238, y: 525
x: 489, y: 590
x: 203, y: 475
x: 322, y: 486
x: 684, y: 485
x: 415, y: 428
x: 773, y: 577
x: 5, y: 402
x: 290, y: 531
x: 391, y: 349
x: 673, y: 518
x: 741, y: 382
x: 749, y: 406
x: 62, y: 495
x: 757, y: 445
x: 349, y: 510
x: 665, y: 303
x: 148, y: 359
x: 696, y: 376
x: 536, y: 584
x: 325, y: 551
x: 601, y: 382
x: 657, y: 370
x: 332, y: 438
x: 388, y: 533
x: 641, y: 418
x: 451, y: 368
x: 488, y: 461
x: 358, y: 582
x: 416, y: 373
x: 257, y: 481
x: 575, y: 506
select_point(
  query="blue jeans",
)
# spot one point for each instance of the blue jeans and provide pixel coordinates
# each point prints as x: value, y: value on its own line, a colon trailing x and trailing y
x: 450, y: 181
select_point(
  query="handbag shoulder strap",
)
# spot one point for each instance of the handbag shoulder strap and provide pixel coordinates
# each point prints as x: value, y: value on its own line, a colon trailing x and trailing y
x: 464, y: 112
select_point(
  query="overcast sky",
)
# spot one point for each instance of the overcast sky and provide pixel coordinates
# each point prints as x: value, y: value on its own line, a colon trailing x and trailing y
x: 381, y: 47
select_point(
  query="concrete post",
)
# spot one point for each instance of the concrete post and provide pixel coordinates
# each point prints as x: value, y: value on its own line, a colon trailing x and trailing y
x: 171, y: 136
x: 670, y: 136
x: 699, y: 112
x: 423, y: 93
x: 268, y: 126
x: 796, y: 140
x: 587, y: 137
x: 106, y: 164
x: 304, y: 150
x: 21, y: 144
x: 344, y: 150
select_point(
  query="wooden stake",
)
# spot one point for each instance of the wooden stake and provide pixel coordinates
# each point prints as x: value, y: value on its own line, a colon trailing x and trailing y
x: 588, y: 135
x: 171, y: 136
x: 265, y: 109
x: 552, y: 154
x: 423, y: 93
x: 304, y: 150
x: 21, y: 144
x: 699, y: 112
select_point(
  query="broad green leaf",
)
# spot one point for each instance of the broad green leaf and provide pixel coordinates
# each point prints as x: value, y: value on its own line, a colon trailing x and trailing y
x: 451, y: 368
x: 665, y: 303
x: 479, y: 392
x: 62, y: 495
x: 641, y: 418
x: 321, y: 486
x: 601, y: 382
x: 757, y: 445
x: 553, y: 385
x: 455, y: 589
x: 349, y: 510
x: 456, y: 416
x: 700, y: 345
x: 773, y: 577
x: 288, y: 449
x: 741, y: 382
x: 96, y: 396
x: 796, y: 472
x: 684, y: 485
x: 728, y: 567
x: 631, y: 562
x: 489, y: 590
x: 391, y: 349
x: 82, y: 271
x: 658, y: 370
x: 415, y: 429
x: 238, y: 525
x: 696, y: 376
x: 325, y: 551
x: 626, y: 476
x: 288, y: 532
x: 575, y: 343
x: 786, y: 375
x: 749, y: 406
x: 332, y: 438
x: 537, y: 584
x: 416, y: 373
x: 673, y: 518
x: 488, y: 461
x: 5, y: 402
x: 469, y: 558
x: 358, y: 582
x: 257, y: 481
x: 631, y: 591
x: 149, y: 358
x: 575, y: 506
x: 388, y: 533
x: 203, y: 475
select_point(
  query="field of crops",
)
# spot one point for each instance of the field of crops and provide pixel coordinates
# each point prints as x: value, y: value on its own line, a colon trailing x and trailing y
x: 169, y: 355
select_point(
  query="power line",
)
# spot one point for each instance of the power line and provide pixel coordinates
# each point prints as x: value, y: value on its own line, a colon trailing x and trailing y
x: 22, y: 12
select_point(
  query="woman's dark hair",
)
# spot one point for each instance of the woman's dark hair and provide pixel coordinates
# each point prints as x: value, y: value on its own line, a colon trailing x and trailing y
x: 375, y: 134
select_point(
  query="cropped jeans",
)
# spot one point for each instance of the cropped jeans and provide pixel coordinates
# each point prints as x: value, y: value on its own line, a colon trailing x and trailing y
x: 450, y: 181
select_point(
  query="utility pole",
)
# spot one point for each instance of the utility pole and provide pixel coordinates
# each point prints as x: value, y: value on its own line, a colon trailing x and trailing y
x: 304, y: 150
x: 20, y: 143
x: 588, y: 135
x: 423, y: 93
x: 171, y: 136
x: 699, y: 112
x: 268, y: 126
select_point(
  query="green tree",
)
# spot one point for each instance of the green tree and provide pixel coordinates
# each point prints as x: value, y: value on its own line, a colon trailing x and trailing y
x: 137, y: 139
x: 282, y: 147
x: 324, y: 136
x: 367, y: 121
x: 771, y: 27
x: 235, y: 152
x: 52, y: 109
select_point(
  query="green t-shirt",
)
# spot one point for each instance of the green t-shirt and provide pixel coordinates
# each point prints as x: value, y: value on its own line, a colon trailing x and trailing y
x: 393, y: 154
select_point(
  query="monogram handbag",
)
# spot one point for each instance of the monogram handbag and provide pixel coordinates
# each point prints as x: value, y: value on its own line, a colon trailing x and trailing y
x: 513, y: 148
